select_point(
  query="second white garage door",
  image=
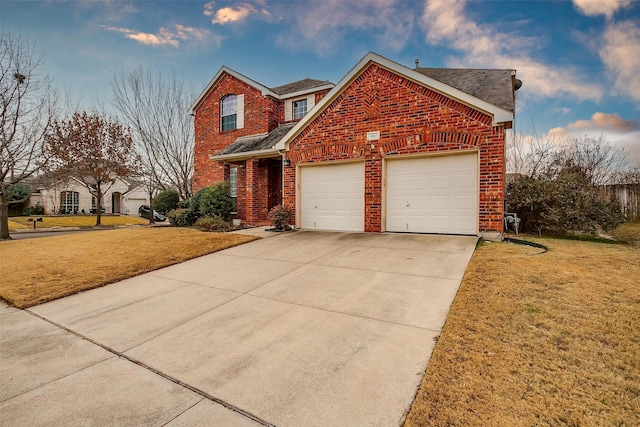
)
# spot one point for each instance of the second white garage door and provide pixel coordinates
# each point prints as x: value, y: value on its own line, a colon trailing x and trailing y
x: 133, y: 205
x: 332, y: 197
x: 433, y: 194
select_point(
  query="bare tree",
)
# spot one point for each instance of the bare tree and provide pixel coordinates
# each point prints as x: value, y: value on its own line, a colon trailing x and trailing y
x: 28, y: 102
x: 603, y: 163
x: 156, y: 108
x: 532, y: 152
x: 94, y: 149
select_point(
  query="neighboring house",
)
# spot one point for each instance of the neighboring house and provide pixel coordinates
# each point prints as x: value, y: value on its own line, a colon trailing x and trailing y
x: 125, y: 196
x: 388, y: 148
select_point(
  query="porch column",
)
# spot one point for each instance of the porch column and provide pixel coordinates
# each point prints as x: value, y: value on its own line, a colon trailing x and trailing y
x: 252, y: 188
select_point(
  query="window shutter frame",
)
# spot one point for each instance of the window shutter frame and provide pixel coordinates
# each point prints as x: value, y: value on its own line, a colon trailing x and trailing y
x: 288, y: 110
x: 311, y: 102
x: 240, y: 111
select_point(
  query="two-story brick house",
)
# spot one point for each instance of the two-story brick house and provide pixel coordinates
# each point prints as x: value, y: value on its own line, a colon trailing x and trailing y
x: 388, y: 148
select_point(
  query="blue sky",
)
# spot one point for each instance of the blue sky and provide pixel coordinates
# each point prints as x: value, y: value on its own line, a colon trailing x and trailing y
x: 578, y: 59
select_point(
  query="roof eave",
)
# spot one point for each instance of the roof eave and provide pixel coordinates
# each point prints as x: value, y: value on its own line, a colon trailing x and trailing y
x: 307, y: 91
x: 256, y: 154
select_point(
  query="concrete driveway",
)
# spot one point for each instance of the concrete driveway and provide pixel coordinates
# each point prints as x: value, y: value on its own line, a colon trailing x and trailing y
x: 300, y: 329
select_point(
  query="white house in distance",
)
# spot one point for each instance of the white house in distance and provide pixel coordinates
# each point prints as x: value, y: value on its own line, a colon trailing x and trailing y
x: 125, y: 196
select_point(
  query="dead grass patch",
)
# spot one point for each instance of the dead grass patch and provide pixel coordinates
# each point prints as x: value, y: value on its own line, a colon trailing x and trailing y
x: 629, y: 233
x: 81, y: 221
x: 34, y: 271
x: 549, y: 339
x: 13, y: 225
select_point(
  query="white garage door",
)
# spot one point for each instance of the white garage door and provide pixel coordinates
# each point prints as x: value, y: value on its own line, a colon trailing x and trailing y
x: 433, y: 194
x: 133, y: 205
x: 332, y: 197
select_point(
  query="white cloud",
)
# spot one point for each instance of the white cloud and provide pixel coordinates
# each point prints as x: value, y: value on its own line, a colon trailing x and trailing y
x: 230, y: 14
x: 446, y: 23
x: 620, y: 54
x: 606, y: 122
x: 600, y: 7
x: 621, y: 133
x: 322, y: 25
x: 167, y: 37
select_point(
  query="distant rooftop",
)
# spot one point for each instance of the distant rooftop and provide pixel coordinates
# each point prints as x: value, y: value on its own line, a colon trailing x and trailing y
x: 300, y: 85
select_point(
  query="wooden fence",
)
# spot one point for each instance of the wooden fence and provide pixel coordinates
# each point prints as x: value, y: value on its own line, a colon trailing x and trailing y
x: 629, y: 197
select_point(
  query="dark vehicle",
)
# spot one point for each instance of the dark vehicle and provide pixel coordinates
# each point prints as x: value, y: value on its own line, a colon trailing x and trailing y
x: 145, y: 212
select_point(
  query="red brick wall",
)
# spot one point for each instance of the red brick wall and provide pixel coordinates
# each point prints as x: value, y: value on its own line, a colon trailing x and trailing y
x: 412, y: 119
x: 261, y: 114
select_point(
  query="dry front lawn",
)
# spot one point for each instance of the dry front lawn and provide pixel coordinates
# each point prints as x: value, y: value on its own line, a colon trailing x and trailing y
x: 22, y: 222
x: 549, y: 339
x: 34, y: 271
x: 629, y: 233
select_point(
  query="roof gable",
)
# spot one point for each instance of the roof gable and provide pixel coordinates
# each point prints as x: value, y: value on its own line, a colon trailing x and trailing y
x: 224, y: 69
x: 498, y: 114
x: 300, y: 87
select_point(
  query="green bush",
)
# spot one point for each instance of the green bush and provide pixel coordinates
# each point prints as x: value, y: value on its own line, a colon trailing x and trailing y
x: 212, y: 223
x: 193, y: 204
x: 280, y: 217
x: 181, y: 218
x: 166, y: 201
x: 563, y: 201
x: 38, y: 209
x: 215, y: 201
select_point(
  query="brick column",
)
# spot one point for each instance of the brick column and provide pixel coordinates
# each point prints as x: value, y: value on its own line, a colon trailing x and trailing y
x: 373, y: 194
x: 251, y: 188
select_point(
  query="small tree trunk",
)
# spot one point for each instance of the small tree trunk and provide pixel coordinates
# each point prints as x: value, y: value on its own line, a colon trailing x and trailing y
x: 99, y: 207
x: 151, y: 220
x: 4, y: 218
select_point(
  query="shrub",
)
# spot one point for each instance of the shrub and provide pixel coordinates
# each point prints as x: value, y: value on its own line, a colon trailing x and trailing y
x: 280, y: 217
x: 194, y: 202
x: 212, y: 223
x: 215, y: 201
x: 166, y: 201
x: 563, y: 201
x: 38, y: 209
x: 181, y: 218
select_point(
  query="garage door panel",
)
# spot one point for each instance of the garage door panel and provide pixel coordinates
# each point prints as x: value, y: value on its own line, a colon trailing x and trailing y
x: 332, y: 197
x: 133, y: 205
x: 433, y: 194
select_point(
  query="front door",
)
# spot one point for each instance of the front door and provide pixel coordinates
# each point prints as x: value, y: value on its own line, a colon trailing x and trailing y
x: 274, y: 183
x: 115, y: 202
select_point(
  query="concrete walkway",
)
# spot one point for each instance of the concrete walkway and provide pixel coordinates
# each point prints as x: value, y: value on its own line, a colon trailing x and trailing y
x: 299, y: 329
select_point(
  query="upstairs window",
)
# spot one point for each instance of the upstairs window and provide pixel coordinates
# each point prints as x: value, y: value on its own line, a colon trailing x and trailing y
x: 295, y: 109
x: 229, y: 112
x: 299, y: 108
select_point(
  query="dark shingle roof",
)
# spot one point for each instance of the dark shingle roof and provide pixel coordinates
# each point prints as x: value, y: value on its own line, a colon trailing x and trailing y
x: 300, y: 85
x: 259, y: 142
x: 493, y: 86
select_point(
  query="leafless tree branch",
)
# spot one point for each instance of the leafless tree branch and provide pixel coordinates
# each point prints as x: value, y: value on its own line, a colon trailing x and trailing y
x: 156, y: 108
x: 28, y: 107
